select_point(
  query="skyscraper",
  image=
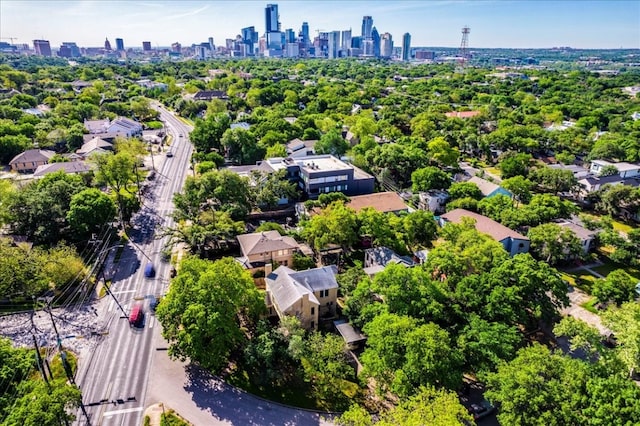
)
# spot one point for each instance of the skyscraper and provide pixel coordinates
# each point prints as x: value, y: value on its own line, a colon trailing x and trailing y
x: 42, y: 47
x: 333, y: 44
x: 119, y: 44
x: 346, y: 40
x: 212, y: 46
x: 375, y: 41
x: 107, y: 44
x: 249, y: 39
x: 271, y: 18
x: 146, y: 46
x: 386, y: 45
x: 305, y: 34
x: 406, y: 47
x: 367, y: 26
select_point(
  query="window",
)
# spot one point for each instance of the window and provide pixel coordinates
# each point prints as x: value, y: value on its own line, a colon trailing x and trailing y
x: 313, y: 324
x: 313, y: 310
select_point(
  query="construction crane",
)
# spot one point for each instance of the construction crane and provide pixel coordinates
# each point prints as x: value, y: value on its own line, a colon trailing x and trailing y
x: 9, y: 38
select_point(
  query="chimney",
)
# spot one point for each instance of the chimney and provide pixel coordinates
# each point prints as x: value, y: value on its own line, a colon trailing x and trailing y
x: 268, y: 268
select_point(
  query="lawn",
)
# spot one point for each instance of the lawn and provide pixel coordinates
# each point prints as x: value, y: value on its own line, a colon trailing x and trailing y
x: 609, y: 266
x: 590, y: 305
x: 493, y: 171
x: 580, y: 279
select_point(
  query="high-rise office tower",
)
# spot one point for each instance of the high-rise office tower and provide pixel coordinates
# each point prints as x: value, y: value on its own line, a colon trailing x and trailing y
x: 249, y: 39
x: 146, y: 46
x: 386, y: 45
x: 107, y: 44
x: 346, y: 40
x: 271, y: 18
x: 212, y: 46
x: 289, y: 36
x: 119, y: 44
x: 375, y: 41
x: 69, y: 49
x: 367, y: 26
x: 333, y: 45
x: 306, y: 41
x: 406, y: 47
x: 42, y: 47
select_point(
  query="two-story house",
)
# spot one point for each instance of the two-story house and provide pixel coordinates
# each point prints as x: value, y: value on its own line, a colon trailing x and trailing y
x: 308, y: 295
x: 267, y: 247
x: 512, y: 241
x: 625, y: 170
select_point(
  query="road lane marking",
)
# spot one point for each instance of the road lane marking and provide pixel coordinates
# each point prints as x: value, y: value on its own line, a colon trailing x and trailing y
x: 151, y: 321
x: 123, y: 411
x: 123, y: 291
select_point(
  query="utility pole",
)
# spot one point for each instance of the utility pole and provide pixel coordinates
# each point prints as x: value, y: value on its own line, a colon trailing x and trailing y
x: 65, y: 364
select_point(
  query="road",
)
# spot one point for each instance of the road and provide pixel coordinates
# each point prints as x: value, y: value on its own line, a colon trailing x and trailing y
x: 114, y: 375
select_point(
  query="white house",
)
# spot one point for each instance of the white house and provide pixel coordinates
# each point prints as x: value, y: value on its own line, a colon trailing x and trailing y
x: 625, y: 170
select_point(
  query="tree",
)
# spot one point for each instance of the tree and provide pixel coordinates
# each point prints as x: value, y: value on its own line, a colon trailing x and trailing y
x: 17, y: 363
x: 41, y: 405
x: 325, y: 366
x: 554, y: 180
x: 382, y: 229
x: 7, y: 191
x: 203, y: 311
x: 39, y: 210
x: 464, y: 190
x: 276, y: 151
x: 207, y: 134
x: 331, y: 143
x: 624, y: 321
x: 429, y: 178
x: 241, y: 146
x: 336, y: 224
x: 554, y: 243
x: 520, y: 187
x: 441, y: 153
x: 617, y: 287
x: 89, y: 210
x: 403, y: 355
x: 270, y: 189
x: 420, y: 229
x: 514, y: 164
x: 116, y: 171
x: 486, y: 344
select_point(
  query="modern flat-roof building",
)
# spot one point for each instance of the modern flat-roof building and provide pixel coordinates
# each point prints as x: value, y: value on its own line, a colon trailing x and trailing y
x: 42, y: 47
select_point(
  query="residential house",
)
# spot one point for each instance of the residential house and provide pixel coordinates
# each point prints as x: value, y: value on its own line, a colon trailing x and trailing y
x: 594, y: 183
x: 266, y: 247
x: 462, y: 114
x: 512, y: 241
x: 121, y: 126
x: 297, y: 148
x: 28, y: 161
x: 208, y: 95
x: 433, y: 200
x: 383, y: 202
x: 95, y: 145
x: 586, y: 236
x: 578, y: 171
x: 308, y: 295
x: 625, y: 170
x: 70, y: 167
x: 489, y: 189
x: 377, y: 258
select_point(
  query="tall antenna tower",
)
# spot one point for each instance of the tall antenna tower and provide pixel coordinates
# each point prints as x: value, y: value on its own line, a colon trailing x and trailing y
x: 463, y: 53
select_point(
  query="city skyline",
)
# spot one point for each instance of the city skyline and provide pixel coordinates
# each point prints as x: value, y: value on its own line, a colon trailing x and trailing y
x: 508, y: 24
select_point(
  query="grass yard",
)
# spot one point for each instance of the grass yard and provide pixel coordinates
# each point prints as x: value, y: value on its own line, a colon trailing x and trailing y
x: 609, y: 266
x: 493, y: 171
x: 580, y: 279
x: 590, y: 305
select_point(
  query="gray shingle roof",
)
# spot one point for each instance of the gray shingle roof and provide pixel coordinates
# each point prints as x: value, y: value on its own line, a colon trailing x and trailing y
x: 287, y: 286
x: 68, y: 167
x: 32, y: 156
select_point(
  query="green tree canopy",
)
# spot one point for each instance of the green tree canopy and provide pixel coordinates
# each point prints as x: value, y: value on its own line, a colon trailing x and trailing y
x: 203, y: 311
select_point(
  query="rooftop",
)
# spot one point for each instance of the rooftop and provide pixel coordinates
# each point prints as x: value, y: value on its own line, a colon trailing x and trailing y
x: 265, y: 242
x: 485, y: 225
x: 384, y: 202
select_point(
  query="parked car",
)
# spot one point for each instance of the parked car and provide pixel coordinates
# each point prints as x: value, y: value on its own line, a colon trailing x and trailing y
x: 169, y: 154
x: 483, y: 409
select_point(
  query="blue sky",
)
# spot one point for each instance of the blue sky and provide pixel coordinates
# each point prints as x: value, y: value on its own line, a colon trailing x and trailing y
x: 493, y: 23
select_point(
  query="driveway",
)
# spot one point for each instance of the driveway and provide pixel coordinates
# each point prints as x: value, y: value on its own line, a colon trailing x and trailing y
x: 205, y: 400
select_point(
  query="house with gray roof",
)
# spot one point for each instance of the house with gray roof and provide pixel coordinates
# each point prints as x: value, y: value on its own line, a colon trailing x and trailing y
x: 297, y: 148
x: 267, y: 247
x: 377, y: 258
x: 489, y: 189
x: 512, y: 241
x: 70, y: 167
x: 308, y: 295
x: 28, y: 161
x: 95, y: 145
